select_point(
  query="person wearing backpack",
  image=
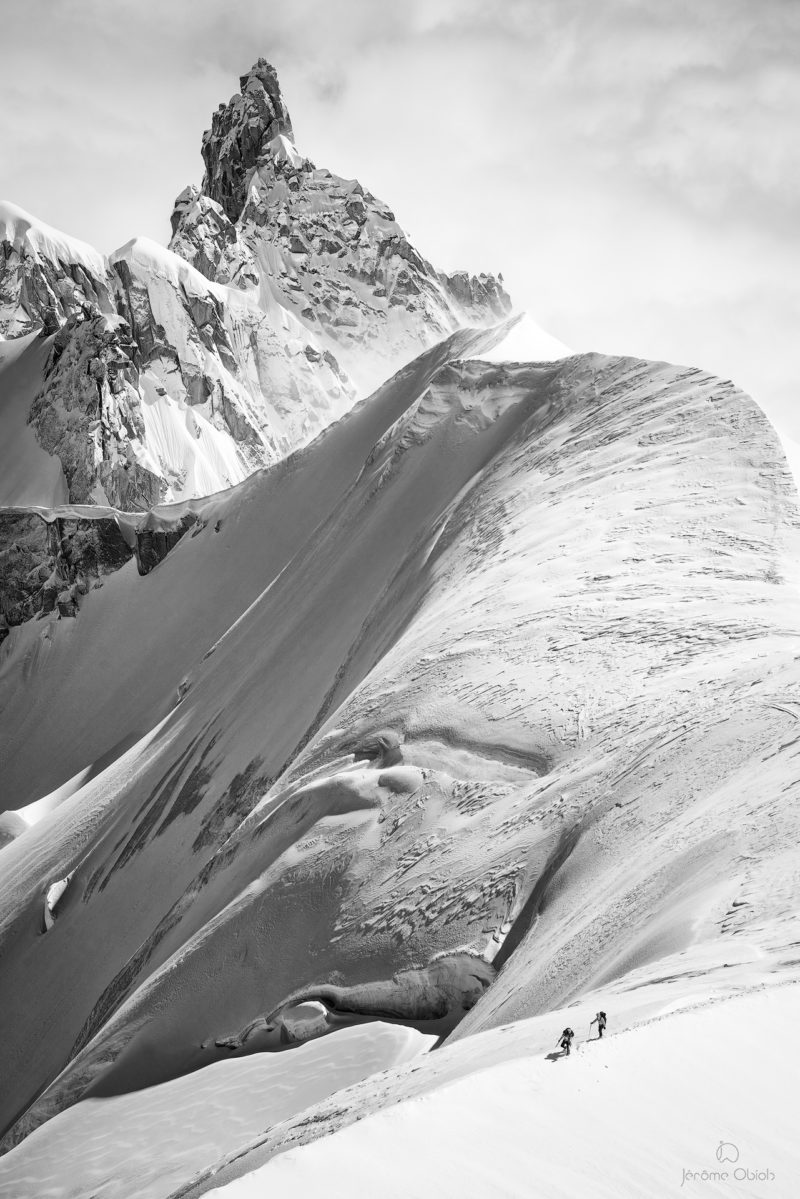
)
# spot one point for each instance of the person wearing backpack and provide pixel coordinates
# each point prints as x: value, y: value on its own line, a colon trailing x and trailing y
x: 600, y: 1021
x: 565, y: 1040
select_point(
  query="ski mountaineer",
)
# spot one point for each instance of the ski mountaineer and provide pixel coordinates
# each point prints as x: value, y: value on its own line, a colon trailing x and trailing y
x: 600, y: 1021
x: 565, y: 1040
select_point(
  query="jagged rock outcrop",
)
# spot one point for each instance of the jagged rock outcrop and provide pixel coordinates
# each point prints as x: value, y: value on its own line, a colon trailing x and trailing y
x: 202, y: 233
x: 50, y: 560
x: 288, y: 292
x: 478, y: 294
x: 261, y: 382
x: 48, y: 565
x: 239, y: 133
x: 199, y: 384
x: 88, y: 413
x: 498, y: 675
x: 154, y: 540
x: 45, y: 277
x: 322, y: 247
x: 456, y: 687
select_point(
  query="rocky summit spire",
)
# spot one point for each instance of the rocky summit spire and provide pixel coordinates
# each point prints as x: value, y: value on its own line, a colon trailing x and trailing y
x: 239, y: 135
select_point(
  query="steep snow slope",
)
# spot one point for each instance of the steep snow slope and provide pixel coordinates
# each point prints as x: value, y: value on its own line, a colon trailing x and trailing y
x: 148, y: 1143
x: 140, y: 636
x: 25, y: 233
x: 497, y: 688
x: 642, y: 1113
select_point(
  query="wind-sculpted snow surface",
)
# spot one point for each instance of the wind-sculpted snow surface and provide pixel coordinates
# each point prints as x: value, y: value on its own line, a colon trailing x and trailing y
x: 432, y: 1000
x: 508, y: 670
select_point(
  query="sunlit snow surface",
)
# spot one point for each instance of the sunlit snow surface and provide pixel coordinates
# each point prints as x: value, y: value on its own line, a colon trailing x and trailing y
x: 527, y: 342
x: 147, y: 1143
x: 22, y: 229
x: 709, y: 1091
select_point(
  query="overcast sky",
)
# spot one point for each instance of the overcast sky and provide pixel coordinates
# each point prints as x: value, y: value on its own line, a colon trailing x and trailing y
x: 631, y: 166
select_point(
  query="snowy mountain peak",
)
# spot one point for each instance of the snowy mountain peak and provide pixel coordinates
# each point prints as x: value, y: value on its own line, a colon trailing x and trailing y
x: 270, y: 222
x: 241, y: 132
x: 287, y: 292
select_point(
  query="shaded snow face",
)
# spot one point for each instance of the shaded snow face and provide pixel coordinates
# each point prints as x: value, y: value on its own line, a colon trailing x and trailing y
x: 494, y: 683
x: 432, y: 999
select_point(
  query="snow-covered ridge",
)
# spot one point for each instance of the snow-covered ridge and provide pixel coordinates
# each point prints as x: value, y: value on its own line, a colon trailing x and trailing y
x: 149, y: 255
x: 317, y: 245
x: 24, y: 231
x: 527, y: 341
x: 532, y: 593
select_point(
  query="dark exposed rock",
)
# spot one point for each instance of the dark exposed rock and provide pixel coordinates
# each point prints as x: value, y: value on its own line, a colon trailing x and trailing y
x: 88, y: 412
x: 356, y: 209
x: 51, y: 321
x: 182, y: 204
x: 134, y: 306
x: 326, y: 237
x: 153, y: 544
x: 478, y: 292
x: 67, y: 601
x: 239, y: 134
x: 333, y: 293
x: 202, y: 233
x: 48, y: 565
x: 405, y: 284
x: 36, y: 293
